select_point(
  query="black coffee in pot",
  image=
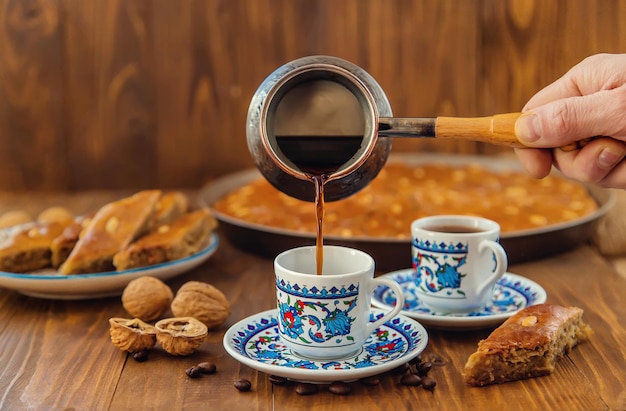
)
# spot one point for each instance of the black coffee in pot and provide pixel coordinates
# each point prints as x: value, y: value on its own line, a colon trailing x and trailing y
x: 316, y: 155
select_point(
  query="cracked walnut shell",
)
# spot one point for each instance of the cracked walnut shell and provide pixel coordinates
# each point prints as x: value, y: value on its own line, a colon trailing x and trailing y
x: 181, y: 335
x: 147, y: 298
x: 132, y: 335
x: 202, y: 301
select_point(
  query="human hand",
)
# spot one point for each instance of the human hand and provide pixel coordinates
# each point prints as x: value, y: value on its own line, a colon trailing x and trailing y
x: 589, y: 100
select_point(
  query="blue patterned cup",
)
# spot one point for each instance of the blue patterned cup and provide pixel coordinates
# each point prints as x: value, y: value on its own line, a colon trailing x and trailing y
x: 457, y: 261
x: 327, y: 316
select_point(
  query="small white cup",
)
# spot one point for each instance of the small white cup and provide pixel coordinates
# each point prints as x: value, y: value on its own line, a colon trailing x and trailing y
x: 327, y: 316
x: 457, y: 261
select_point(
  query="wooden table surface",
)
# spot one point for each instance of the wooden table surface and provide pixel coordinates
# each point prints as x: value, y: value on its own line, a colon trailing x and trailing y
x: 56, y: 354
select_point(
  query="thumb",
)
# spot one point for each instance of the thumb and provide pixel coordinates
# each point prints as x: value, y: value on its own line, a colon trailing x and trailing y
x: 567, y: 120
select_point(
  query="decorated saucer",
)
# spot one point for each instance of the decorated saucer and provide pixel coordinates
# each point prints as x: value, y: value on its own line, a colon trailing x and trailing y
x: 511, y: 293
x: 255, y: 342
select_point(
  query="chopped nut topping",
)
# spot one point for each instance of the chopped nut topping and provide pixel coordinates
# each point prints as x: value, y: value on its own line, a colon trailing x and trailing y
x: 112, y: 224
x: 33, y: 232
x: 529, y: 321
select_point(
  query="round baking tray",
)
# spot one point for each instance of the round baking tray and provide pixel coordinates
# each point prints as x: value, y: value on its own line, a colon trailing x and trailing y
x: 391, y: 253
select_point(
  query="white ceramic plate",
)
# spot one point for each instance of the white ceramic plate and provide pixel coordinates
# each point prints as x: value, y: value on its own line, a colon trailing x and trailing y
x: 96, y: 285
x: 511, y: 294
x: 254, y: 341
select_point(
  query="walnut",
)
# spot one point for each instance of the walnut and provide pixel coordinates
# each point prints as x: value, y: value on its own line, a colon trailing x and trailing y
x: 132, y: 335
x: 147, y: 298
x: 181, y: 335
x: 203, y: 302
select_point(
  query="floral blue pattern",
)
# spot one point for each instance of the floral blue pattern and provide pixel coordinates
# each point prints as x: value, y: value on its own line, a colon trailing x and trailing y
x: 398, y: 340
x: 333, y: 320
x: 510, y: 294
x: 316, y: 315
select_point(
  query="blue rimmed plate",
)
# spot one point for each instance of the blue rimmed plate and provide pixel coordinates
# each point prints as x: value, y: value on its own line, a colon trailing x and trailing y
x: 83, y: 286
x: 254, y: 341
x: 511, y: 293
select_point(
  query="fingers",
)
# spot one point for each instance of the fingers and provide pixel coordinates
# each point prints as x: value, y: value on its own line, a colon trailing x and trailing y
x: 564, y: 121
x: 537, y: 162
x: 599, y: 162
x: 593, y: 74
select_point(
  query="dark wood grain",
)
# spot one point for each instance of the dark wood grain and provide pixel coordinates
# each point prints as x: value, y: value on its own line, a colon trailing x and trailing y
x: 58, y: 354
x: 144, y: 93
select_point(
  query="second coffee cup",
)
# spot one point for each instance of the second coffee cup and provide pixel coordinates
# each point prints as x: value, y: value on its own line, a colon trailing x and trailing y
x: 457, y: 261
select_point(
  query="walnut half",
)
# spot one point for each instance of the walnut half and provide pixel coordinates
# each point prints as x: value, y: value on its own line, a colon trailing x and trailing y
x: 181, y: 335
x: 132, y: 335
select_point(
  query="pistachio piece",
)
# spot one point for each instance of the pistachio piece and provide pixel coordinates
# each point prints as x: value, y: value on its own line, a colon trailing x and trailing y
x: 181, y: 335
x: 132, y: 334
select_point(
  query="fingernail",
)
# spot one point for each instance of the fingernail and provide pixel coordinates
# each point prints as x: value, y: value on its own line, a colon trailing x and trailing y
x: 609, y: 158
x: 527, y: 128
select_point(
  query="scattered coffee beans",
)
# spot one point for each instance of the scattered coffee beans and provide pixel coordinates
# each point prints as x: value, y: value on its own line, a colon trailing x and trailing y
x: 243, y: 385
x: 140, y: 356
x: 414, y: 373
x: 373, y: 380
x: 277, y: 380
x: 424, y: 368
x: 193, y: 372
x: 306, y: 389
x: 340, y: 388
x: 207, y: 367
x: 416, y: 360
x: 411, y: 380
x: 428, y: 383
x: 402, y: 368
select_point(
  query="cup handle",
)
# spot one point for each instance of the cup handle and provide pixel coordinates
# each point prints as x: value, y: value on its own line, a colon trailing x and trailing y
x: 501, y: 262
x: 397, y: 290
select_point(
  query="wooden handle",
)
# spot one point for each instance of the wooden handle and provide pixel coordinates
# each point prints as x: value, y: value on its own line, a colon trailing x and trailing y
x: 498, y: 129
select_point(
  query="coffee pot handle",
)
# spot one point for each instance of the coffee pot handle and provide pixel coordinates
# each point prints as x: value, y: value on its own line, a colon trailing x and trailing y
x: 498, y: 129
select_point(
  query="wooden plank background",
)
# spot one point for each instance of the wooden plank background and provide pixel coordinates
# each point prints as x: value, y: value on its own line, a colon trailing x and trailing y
x: 144, y: 93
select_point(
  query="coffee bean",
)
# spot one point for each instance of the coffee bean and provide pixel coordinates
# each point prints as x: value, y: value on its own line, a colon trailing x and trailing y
x: 243, y: 385
x: 193, y: 372
x: 140, y: 356
x: 416, y: 360
x: 277, y: 380
x: 429, y: 383
x: 401, y: 369
x: 411, y: 380
x: 424, y: 368
x: 373, y: 380
x: 340, y: 388
x: 306, y: 389
x: 207, y: 367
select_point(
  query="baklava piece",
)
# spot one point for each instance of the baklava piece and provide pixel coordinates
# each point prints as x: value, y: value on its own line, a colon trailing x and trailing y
x: 170, y: 206
x: 113, y: 227
x: 526, y: 345
x: 26, y: 247
x: 183, y: 237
